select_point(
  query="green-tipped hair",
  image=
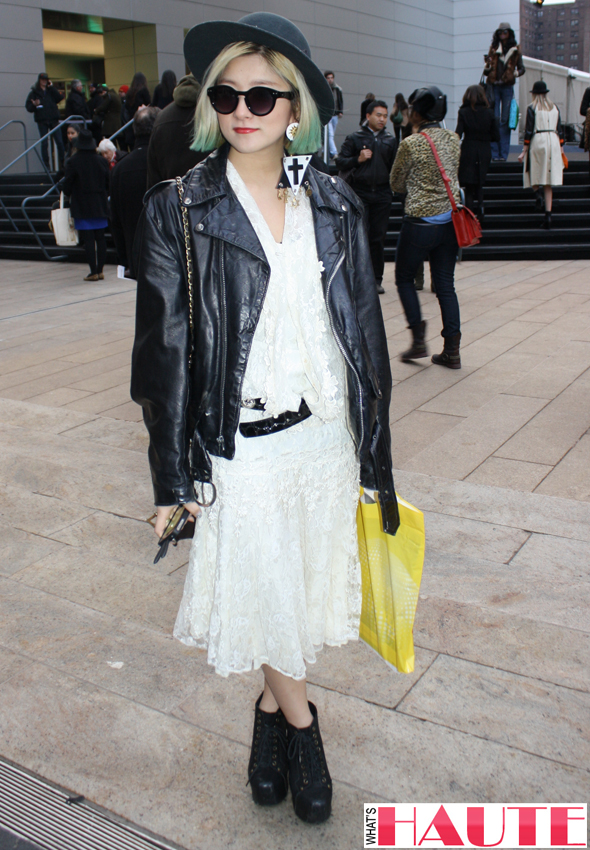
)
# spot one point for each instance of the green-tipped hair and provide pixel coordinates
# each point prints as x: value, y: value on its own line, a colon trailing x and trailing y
x: 207, y: 135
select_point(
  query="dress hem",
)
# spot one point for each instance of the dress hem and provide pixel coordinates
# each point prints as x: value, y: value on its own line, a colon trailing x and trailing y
x: 258, y: 662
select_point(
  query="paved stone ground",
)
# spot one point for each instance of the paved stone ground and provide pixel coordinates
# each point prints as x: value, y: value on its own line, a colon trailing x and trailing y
x: 96, y: 696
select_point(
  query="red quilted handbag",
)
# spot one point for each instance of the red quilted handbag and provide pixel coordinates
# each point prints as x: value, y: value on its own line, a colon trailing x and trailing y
x: 467, y: 227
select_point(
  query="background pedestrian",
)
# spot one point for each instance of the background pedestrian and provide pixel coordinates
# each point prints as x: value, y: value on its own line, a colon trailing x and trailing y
x: 170, y: 154
x: 542, y: 154
x: 427, y: 229
x: 338, y: 112
x: 128, y: 187
x: 368, y: 155
x: 477, y: 126
x: 164, y: 90
x: 87, y: 183
x: 400, y: 117
x: 42, y: 101
x: 369, y: 98
x: 108, y: 112
x: 503, y: 66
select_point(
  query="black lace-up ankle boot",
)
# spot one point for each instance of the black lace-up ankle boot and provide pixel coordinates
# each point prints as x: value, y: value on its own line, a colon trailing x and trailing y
x: 268, y: 770
x: 309, y: 777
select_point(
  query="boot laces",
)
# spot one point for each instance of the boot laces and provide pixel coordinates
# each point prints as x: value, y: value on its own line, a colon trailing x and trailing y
x: 307, y: 750
x: 271, y: 739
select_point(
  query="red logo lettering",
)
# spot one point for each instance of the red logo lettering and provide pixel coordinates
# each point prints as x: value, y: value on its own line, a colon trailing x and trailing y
x: 475, y: 826
x: 446, y: 831
x: 559, y: 820
x: 527, y: 824
x: 386, y: 826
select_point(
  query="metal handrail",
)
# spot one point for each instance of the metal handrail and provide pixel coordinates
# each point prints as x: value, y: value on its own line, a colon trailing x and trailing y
x: 51, y: 189
x: 72, y: 119
x: 24, y: 126
x: 120, y: 130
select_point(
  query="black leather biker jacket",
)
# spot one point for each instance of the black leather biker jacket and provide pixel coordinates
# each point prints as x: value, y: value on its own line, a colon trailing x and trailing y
x: 194, y: 413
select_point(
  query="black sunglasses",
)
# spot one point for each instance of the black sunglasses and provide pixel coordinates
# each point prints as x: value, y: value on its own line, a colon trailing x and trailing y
x: 259, y: 100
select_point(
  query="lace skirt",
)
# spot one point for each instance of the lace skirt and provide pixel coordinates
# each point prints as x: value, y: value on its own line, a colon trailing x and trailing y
x: 274, y: 570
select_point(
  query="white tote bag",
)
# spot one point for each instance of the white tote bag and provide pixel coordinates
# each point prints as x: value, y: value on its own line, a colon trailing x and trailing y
x: 62, y: 225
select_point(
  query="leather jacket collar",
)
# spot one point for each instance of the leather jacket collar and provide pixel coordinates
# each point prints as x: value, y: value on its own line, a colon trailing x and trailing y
x: 222, y: 216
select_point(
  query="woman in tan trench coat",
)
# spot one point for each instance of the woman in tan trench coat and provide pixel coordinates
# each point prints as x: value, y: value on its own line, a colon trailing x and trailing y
x: 542, y: 155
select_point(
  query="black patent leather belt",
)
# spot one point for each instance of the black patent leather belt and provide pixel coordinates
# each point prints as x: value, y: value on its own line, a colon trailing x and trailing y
x: 264, y: 427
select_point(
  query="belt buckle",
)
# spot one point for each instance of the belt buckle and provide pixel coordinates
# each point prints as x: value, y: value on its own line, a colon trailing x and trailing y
x: 249, y: 403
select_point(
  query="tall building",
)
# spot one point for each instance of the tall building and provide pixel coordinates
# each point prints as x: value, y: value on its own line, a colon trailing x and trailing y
x: 557, y: 32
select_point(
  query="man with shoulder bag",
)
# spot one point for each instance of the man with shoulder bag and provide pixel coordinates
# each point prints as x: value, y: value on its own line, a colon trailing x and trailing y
x: 367, y: 157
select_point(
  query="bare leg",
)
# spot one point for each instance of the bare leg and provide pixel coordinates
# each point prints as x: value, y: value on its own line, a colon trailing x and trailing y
x: 289, y: 694
x: 548, y: 198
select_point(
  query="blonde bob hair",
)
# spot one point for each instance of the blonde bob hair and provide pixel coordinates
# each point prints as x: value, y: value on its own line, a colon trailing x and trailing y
x: 542, y: 103
x: 207, y: 134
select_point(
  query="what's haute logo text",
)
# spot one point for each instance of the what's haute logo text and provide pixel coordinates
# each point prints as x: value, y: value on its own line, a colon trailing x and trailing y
x: 509, y: 825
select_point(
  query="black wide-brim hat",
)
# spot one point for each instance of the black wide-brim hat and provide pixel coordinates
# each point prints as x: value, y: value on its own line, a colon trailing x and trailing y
x: 539, y: 87
x: 85, y: 141
x: 205, y: 42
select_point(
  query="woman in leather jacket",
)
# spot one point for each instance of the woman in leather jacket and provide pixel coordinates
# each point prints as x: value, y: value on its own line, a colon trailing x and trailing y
x: 261, y: 364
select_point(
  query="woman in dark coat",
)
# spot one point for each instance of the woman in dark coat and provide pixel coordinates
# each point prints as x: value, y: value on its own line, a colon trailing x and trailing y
x: 163, y: 91
x: 87, y: 183
x: 109, y: 112
x: 478, y: 127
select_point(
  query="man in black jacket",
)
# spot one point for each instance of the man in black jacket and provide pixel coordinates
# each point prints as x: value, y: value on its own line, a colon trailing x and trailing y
x: 169, y: 153
x: 76, y: 102
x: 42, y: 101
x: 368, y: 156
x: 128, y: 186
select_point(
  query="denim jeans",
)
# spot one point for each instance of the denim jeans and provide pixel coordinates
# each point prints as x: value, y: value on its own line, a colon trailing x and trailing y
x: 503, y: 95
x: 416, y: 243
x: 332, y: 124
x: 44, y: 128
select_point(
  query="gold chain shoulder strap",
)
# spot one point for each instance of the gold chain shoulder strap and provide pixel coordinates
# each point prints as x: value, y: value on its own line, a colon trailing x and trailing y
x: 189, y: 264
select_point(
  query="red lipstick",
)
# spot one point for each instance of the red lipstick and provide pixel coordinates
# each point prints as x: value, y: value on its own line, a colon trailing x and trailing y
x: 245, y: 129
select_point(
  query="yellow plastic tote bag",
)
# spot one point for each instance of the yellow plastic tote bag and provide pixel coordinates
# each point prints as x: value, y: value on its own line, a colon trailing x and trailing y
x: 391, y: 570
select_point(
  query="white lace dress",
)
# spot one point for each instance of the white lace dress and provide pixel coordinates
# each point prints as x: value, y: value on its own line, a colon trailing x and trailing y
x: 274, y: 570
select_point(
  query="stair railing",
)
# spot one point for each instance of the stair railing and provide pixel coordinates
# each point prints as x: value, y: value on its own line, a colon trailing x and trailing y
x: 24, y: 126
x: 46, y: 254
x: 72, y: 119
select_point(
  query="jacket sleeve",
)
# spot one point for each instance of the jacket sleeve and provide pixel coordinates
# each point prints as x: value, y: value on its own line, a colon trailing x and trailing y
x: 520, y: 69
x: 529, y: 129
x: 585, y: 105
x: 159, y: 365
x: 560, y: 128
x: 67, y: 184
x: 370, y: 319
x: 401, y: 169
x: 348, y: 156
x: 32, y: 96
x: 460, y: 125
x: 340, y: 101
x: 117, y: 230
x: 154, y: 175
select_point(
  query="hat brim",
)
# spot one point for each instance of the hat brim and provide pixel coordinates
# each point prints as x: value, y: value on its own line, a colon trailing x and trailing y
x: 205, y: 42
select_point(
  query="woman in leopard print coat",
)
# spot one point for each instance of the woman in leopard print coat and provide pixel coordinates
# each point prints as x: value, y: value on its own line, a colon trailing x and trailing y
x: 427, y: 230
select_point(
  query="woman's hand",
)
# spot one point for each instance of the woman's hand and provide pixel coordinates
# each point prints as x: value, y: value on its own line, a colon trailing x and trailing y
x: 521, y: 156
x: 164, y: 511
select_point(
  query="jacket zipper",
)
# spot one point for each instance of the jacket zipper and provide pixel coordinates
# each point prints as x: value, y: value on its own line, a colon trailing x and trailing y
x: 220, y: 438
x: 341, y: 346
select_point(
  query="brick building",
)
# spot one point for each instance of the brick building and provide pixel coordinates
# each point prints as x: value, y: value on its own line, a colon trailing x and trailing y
x: 557, y: 32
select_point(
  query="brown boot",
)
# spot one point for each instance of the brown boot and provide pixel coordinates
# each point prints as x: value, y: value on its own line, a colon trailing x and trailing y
x: 418, y: 347
x: 449, y: 356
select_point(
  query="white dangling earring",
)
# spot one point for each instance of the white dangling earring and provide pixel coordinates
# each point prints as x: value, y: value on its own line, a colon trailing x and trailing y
x: 291, y: 130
